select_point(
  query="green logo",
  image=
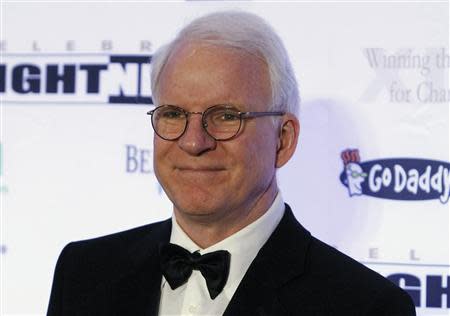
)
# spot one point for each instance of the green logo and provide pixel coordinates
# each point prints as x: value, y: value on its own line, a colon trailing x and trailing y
x: 3, y: 187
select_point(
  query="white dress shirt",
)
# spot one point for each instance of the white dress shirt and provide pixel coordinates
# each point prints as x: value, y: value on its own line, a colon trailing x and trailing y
x: 192, y: 298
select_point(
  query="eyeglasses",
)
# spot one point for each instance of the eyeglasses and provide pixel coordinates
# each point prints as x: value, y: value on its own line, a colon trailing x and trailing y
x: 355, y: 174
x: 221, y: 122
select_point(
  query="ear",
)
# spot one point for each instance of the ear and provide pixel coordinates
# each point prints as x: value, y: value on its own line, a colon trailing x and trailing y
x: 287, y: 140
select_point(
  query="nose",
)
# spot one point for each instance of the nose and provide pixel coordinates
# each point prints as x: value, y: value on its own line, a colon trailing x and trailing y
x: 195, y: 141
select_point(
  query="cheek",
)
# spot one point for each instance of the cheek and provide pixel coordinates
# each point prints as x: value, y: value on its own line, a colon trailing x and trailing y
x: 160, y: 151
x: 265, y: 147
x: 258, y: 160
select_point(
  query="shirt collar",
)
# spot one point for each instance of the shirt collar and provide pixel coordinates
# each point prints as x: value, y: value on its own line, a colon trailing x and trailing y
x: 243, y: 245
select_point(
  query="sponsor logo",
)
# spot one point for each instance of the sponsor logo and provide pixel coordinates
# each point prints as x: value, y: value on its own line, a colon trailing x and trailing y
x: 408, y: 75
x: 99, y: 78
x: 140, y: 161
x: 437, y: 295
x: 396, y: 178
x: 3, y: 189
x: 3, y: 186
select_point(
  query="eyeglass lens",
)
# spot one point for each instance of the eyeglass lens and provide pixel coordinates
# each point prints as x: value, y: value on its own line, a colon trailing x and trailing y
x: 220, y: 122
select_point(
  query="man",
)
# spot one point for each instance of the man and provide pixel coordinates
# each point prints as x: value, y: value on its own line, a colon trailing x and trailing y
x: 225, y: 121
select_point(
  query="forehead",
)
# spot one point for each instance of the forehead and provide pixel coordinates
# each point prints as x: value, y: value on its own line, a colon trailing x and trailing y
x: 205, y: 74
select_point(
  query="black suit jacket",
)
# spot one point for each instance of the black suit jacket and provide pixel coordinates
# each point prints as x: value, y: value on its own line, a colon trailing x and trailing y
x: 293, y: 274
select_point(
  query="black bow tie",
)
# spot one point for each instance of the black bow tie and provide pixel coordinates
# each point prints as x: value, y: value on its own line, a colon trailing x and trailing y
x: 177, y: 264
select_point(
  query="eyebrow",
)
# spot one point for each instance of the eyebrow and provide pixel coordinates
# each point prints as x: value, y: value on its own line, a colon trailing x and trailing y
x: 229, y: 105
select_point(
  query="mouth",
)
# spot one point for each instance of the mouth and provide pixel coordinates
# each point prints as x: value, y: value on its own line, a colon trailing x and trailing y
x: 199, y: 169
x: 195, y: 177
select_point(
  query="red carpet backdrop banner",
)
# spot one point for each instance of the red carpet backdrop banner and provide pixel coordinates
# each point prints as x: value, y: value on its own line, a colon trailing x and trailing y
x: 371, y: 175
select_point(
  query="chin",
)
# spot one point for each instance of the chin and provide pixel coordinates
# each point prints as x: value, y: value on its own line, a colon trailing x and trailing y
x: 196, y: 212
x: 198, y: 205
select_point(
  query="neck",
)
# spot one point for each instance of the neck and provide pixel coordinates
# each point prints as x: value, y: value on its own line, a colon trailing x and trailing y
x: 206, y: 231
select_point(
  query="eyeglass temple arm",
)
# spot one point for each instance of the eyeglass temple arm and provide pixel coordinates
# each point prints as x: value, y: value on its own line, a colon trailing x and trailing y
x: 258, y: 114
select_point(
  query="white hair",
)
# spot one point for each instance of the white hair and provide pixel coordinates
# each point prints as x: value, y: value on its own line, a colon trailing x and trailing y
x: 241, y: 30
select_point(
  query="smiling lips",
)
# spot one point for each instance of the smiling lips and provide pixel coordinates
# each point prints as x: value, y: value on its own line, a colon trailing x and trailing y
x: 199, y: 169
x: 203, y: 173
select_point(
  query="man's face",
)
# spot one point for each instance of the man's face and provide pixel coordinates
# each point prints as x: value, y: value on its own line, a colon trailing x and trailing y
x: 205, y: 178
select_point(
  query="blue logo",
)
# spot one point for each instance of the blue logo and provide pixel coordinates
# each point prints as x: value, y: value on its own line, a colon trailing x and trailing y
x: 436, y: 294
x: 61, y: 78
x: 396, y: 178
x: 140, y: 161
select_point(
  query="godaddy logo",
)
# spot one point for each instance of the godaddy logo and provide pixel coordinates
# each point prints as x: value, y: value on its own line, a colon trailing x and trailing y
x: 396, y: 178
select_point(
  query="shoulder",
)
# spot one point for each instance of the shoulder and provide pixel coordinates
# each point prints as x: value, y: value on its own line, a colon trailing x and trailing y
x: 331, y: 281
x: 86, y: 268
x: 120, y: 241
x: 100, y: 258
x: 348, y: 285
x: 332, y: 265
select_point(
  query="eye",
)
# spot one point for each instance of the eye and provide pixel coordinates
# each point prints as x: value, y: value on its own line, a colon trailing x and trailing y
x: 222, y: 116
x: 171, y: 114
x: 229, y: 116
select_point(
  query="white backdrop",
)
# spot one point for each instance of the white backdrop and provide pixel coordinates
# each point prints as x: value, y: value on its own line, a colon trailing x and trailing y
x: 373, y: 77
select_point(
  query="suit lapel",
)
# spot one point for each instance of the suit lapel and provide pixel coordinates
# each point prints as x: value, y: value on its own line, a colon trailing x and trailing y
x: 138, y: 291
x: 281, y: 259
